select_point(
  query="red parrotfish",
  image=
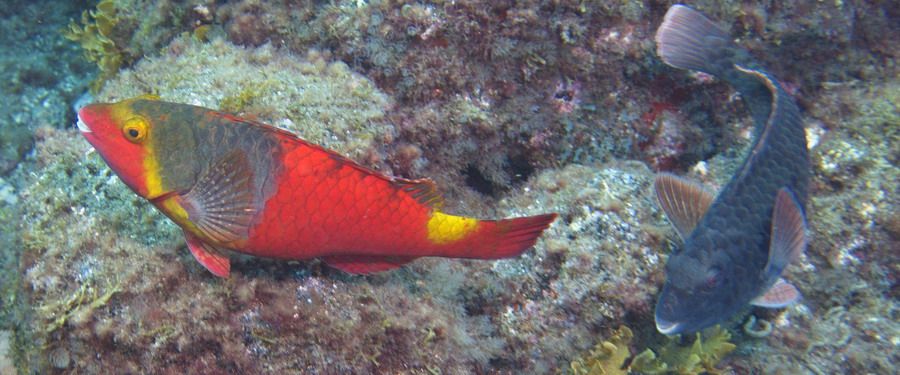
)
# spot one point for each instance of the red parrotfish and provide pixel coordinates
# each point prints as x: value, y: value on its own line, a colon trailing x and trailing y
x: 234, y: 184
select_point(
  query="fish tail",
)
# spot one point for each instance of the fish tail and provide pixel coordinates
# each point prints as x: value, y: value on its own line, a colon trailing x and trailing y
x: 688, y: 40
x: 495, y: 239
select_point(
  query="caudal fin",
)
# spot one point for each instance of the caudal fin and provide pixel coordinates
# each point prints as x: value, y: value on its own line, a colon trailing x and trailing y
x: 506, y: 238
x: 686, y: 39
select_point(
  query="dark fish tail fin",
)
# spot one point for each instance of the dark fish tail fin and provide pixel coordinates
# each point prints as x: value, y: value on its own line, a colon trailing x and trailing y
x: 688, y: 40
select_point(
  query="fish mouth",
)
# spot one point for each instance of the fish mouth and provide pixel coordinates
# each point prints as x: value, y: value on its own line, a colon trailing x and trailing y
x: 667, y: 328
x: 82, y: 126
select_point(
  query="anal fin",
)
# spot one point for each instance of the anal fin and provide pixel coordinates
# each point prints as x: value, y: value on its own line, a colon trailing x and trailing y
x: 779, y: 295
x: 366, y: 264
x: 211, y: 257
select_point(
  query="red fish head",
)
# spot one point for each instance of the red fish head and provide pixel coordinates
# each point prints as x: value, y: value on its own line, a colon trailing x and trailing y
x: 119, y: 137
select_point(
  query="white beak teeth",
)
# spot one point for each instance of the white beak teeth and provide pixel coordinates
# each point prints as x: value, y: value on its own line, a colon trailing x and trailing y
x: 665, y: 327
x: 82, y: 126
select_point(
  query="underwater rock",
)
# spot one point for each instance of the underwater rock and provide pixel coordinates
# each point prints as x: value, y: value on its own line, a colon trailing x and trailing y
x: 458, y: 91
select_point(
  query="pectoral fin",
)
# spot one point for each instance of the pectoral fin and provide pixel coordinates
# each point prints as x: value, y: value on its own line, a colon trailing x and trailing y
x: 220, y: 203
x: 684, y: 201
x: 779, y: 295
x: 211, y: 257
x: 788, y: 235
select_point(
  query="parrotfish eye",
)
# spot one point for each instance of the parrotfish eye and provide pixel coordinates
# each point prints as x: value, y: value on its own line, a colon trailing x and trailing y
x: 135, y: 129
x: 712, y: 278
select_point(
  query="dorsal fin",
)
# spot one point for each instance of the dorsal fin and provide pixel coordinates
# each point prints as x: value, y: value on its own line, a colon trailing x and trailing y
x: 684, y: 201
x: 424, y: 190
x: 220, y: 203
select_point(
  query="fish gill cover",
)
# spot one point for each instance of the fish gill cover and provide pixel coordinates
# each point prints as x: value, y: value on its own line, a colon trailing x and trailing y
x: 515, y: 109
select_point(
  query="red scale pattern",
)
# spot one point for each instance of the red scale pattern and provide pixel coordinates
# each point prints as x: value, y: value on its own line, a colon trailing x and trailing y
x: 326, y: 205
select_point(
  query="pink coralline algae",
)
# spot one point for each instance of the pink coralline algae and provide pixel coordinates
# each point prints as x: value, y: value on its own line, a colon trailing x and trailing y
x: 664, y: 136
x: 565, y: 97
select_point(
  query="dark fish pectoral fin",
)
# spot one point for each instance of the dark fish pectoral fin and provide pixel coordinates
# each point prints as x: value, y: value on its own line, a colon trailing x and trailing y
x: 365, y: 264
x: 779, y: 295
x: 684, y: 202
x: 221, y: 202
x: 211, y: 257
x: 788, y: 235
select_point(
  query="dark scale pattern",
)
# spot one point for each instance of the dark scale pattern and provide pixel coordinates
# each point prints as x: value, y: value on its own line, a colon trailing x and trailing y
x: 730, y: 245
x: 737, y: 227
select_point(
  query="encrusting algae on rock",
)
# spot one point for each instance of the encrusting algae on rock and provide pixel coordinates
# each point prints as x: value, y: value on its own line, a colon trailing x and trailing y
x: 515, y: 108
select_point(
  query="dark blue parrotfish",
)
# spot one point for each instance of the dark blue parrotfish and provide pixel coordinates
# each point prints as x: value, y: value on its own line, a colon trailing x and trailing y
x: 736, y: 244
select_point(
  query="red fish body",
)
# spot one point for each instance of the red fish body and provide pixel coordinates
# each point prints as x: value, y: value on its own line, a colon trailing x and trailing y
x: 233, y: 184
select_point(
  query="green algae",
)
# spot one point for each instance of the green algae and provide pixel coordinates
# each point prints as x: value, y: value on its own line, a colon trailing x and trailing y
x: 78, y: 305
x: 607, y: 358
x: 95, y: 37
x: 243, y: 99
x: 699, y: 357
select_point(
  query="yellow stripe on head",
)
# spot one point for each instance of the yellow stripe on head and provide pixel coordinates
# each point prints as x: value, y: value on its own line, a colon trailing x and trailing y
x: 151, y: 173
x: 122, y: 113
x: 443, y: 228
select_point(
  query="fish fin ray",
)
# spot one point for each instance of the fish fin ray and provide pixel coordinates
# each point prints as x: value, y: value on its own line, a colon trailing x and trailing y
x: 519, y: 234
x: 212, y: 258
x: 684, y: 201
x: 366, y: 264
x: 686, y: 39
x: 423, y: 190
x: 511, y: 237
x: 788, y: 235
x: 220, y: 203
x: 779, y: 295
